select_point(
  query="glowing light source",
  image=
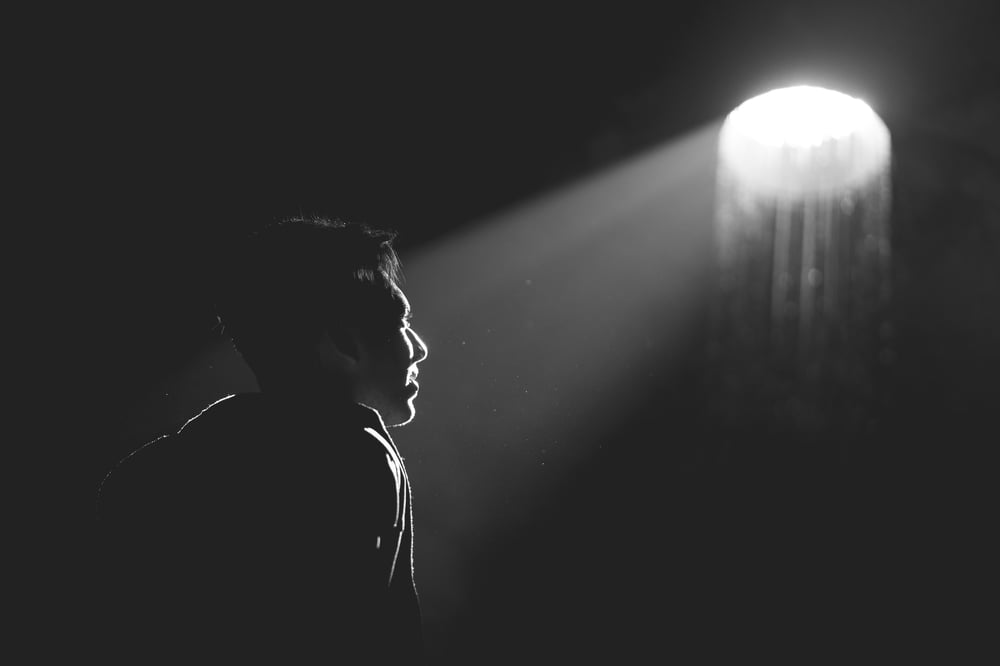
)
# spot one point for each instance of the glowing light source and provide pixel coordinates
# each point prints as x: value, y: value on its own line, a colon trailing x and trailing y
x: 802, y: 234
x: 802, y: 139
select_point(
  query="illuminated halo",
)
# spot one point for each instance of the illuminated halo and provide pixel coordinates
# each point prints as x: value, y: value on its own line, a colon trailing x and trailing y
x: 803, y: 139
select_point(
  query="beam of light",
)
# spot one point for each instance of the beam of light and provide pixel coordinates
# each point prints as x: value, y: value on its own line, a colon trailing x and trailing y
x: 802, y: 230
x: 547, y: 324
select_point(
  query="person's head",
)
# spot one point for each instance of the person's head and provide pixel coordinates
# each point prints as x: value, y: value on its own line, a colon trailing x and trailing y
x: 314, y: 306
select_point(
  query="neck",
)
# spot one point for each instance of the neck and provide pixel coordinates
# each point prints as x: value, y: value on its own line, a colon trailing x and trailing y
x: 305, y: 390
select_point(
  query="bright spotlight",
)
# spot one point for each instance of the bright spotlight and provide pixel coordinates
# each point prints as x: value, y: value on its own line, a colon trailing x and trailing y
x: 803, y: 139
x: 802, y: 233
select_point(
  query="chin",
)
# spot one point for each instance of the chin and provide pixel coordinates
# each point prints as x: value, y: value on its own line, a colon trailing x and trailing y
x: 399, y: 417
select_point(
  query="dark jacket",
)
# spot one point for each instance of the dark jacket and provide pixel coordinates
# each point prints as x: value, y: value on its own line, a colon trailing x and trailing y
x: 264, y: 526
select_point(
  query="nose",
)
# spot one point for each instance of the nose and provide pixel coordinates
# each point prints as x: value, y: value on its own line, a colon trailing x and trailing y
x: 419, y: 348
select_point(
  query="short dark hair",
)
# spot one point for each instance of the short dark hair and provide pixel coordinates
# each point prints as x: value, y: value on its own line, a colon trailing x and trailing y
x: 281, y: 287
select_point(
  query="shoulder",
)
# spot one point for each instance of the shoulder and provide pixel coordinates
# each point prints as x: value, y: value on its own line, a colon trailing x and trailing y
x: 151, y: 472
x: 242, y: 413
x: 245, y: 454
x: 128, y: 487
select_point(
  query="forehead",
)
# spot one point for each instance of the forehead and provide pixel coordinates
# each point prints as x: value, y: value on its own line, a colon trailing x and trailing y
x: 399, y: 299
x: 377, y: 304
x: 394, y: 303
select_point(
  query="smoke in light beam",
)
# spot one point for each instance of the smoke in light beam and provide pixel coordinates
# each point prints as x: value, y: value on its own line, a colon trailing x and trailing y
x: 548, y: 322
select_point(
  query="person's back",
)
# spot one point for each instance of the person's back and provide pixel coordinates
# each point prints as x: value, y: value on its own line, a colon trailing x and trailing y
x: 276, y: 523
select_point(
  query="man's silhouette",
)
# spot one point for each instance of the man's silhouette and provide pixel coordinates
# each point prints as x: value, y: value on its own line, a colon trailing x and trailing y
x: 279, y: 523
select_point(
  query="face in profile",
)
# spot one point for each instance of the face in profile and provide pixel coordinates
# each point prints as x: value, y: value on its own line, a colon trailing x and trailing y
x: 387, y: 366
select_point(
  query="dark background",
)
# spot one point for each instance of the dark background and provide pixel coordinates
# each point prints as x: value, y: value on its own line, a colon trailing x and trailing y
x: 185, y: 128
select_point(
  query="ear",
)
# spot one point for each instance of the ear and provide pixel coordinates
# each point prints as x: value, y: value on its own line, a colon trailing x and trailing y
x: 339, y: 348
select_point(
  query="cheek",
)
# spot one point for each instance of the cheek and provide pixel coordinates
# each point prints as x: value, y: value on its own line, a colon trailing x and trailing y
x: 398, y: 356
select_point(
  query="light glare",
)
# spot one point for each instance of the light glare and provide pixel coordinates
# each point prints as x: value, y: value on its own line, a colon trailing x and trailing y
x: 803, y: 139
x: 801, y: 116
